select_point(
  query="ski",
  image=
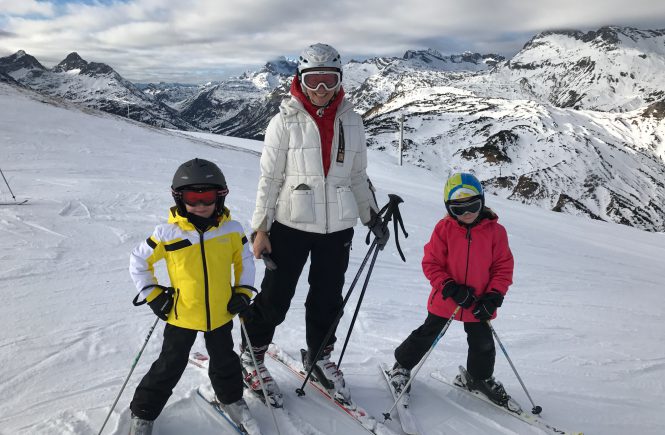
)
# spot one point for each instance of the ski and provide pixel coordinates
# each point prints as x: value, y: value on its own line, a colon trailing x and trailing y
x: 350, y: 408
x: 406, y: 418
x: 201, y: 361
x: 25, y: 201
x: 211, y: 400
x: 512, y: 408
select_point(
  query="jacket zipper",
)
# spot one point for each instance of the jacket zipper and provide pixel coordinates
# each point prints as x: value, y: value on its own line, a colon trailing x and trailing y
x: 205, y: 280
x: 325, y: 182
x: 468, y: 254
x: 175, y: 304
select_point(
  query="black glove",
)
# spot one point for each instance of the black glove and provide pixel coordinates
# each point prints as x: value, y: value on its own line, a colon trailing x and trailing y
x: 487, y: 305
x: 238, y: 304
x: 461, y: 294
x: 379, y: 229
x: 163, y: 303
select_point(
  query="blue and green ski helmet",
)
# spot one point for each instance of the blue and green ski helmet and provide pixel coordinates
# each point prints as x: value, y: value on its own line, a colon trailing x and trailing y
x: 462, y: 185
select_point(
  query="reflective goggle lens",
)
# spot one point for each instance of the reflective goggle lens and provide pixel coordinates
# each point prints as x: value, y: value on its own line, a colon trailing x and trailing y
x: 200, y: 196
x: 460, y: 208
x: 313, y: 79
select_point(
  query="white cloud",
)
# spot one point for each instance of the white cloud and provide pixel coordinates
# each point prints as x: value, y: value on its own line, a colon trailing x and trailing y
x: 25, y: 7
x: 172, y: 38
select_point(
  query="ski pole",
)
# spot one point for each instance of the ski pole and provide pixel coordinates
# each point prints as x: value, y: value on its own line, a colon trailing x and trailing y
x: 536, y: 409
x: 386, y: 415
x: 391, y: 210
x: 10, y: 189
x: 136, y: 360
x: 360, y: 301
x: 301, y: 390
x: 263, y: 387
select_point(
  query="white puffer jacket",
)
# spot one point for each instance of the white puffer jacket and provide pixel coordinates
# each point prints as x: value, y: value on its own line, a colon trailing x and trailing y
x: 293, y: 189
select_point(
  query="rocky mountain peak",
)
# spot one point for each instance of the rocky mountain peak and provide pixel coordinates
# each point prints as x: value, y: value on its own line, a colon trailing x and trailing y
x: 71, y: 62
x: 19, y: 60
x: 281, y: 66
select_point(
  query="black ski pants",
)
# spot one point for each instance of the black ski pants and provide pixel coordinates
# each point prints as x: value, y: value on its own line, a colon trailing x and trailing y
x: 290, y: 249
x: 480, y: 358
x: 157, y: 385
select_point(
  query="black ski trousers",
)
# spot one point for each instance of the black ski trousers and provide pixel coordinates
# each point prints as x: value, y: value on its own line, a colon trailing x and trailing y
x: 480, y: 358
x: 157, y: 385
x: 290, y: 249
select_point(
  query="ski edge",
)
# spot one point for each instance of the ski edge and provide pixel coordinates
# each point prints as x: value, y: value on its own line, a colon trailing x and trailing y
x: 525, y: 417
x: 406, y: 418
x: 285, y: 359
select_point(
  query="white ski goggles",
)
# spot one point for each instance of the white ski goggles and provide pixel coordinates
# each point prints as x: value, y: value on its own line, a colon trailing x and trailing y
x: 312, y: 80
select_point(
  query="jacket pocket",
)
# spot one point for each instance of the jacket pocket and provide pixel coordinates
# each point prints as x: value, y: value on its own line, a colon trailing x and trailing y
x: 346, y: 203
x: 302, y: 204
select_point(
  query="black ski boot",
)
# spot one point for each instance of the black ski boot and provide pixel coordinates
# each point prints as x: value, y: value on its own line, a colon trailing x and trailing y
x: 490, y: 388
x: 399, y: 377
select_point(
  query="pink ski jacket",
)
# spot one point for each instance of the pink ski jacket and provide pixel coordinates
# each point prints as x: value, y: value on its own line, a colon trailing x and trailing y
x: 478, y: 256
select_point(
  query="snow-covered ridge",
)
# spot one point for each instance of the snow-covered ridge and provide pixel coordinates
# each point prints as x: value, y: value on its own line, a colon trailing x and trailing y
x: 573, y: 122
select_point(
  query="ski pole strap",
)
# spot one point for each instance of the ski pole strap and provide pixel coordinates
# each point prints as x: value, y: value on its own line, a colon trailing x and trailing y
x: 247, y: 286
x: 144, y: 301
x: 390, y: 212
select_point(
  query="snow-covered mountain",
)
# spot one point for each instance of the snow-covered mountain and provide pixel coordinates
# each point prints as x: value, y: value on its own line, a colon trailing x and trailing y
x: 572, y: 123
x: 611, y: 69
x: 91, y: 84
x: 589, y: 354
x: 241, y: 106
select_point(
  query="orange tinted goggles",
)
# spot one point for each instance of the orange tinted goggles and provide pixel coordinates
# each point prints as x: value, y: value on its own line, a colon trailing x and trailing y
x: 200, y: 196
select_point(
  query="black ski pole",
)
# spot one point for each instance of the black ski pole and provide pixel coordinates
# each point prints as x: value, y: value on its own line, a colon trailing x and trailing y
x: 360, y: 301
x: 301, y: 390
x: 136, y: 360
x: 386, y: 415
x: 536, y: 409
x: 7, y: 183
x: 391, y: 210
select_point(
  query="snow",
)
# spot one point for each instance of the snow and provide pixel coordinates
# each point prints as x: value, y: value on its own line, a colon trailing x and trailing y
x: 582, y: 322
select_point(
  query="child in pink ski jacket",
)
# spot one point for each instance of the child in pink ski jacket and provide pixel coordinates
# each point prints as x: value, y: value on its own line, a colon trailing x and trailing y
x: 469, y: 265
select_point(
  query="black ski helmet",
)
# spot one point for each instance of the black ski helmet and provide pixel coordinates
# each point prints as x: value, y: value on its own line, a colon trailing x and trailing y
x: 198, y: 172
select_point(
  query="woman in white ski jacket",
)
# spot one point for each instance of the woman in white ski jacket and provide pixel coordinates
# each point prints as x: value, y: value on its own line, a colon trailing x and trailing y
x: 312, y: 191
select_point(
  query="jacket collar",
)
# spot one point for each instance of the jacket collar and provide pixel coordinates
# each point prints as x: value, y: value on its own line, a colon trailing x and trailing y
x: 186, y: 225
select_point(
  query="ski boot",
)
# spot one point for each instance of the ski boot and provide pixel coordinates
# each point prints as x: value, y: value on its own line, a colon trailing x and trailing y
x: 139, y: 426
x: 239, y: 413
x: 251, y: 376
x: 399, y: 377
x: 489, y: 387
x: 327, y: 374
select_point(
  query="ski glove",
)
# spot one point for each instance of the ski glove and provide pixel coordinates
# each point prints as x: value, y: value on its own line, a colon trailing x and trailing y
x: 487, y: 305
x: 162, y: 303
x: 239, y: 304
x: 462, y: 294
x: 380, y: 230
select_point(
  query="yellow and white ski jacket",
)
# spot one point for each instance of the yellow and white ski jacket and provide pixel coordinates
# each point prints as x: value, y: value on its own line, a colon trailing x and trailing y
x: 199, y: 267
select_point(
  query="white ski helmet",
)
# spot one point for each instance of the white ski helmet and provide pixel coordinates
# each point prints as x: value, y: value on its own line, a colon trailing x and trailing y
x: 319, y: 56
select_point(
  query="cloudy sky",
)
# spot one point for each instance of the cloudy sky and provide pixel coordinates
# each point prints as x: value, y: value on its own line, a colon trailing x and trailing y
x: 200, y: 40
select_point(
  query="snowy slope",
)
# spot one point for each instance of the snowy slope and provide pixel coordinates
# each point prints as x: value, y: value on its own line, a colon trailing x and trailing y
x: 583, y: 321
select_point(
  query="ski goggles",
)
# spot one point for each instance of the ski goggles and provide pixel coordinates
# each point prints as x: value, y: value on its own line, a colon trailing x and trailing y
x: 462, y: 208
x: 330, y: 80
x: 205, y: 195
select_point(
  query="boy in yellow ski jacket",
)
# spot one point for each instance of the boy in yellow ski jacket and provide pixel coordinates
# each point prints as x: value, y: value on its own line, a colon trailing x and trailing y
x: 205, y: 252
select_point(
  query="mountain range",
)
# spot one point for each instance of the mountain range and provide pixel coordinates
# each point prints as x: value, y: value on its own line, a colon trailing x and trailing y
x: 573, y: 122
